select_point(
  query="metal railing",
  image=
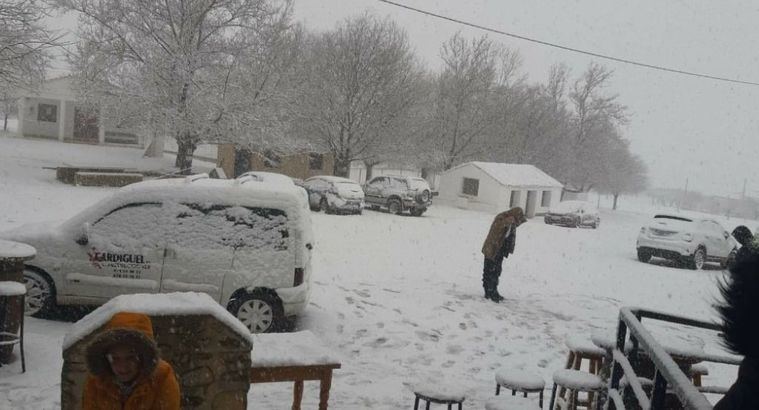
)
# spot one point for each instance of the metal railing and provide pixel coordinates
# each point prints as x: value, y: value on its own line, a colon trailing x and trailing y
x: 668, y: 377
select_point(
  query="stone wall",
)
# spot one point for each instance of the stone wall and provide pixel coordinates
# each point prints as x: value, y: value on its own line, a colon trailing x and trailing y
x: 211, y: 361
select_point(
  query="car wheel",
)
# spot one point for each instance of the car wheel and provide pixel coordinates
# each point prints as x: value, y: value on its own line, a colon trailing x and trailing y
x: 416, y: 212
x: 696, y: 262
x: 258, y: 311
x: 424, y: 196
x: 40, y: 293
x: 395, y: 207
x: 644, y: 255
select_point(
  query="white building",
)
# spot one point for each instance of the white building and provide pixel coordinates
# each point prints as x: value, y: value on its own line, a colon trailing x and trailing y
x: 54, y: 113
x: 494, y: 187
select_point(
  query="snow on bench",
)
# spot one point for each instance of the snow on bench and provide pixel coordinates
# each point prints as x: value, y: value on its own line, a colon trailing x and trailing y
x: 443, y: 390
x: 11, y: 288
x: 15, y: 250
x: 517, y: 379
x: 578, y: 380
x: 583, y: 345
x: 290, y: 349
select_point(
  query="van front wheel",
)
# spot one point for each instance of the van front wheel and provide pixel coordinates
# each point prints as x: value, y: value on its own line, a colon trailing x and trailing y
x: 258, y: 311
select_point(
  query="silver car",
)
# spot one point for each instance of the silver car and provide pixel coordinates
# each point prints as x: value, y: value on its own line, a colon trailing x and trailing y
x: 691, y: 241
x: 334, y: 194
x: 574, y: 214
x: 398, y: 194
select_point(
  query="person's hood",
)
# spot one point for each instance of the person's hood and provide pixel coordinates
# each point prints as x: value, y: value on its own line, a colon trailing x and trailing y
x: 132, y: 329
x: 743, y: 235
x: 518, y: 215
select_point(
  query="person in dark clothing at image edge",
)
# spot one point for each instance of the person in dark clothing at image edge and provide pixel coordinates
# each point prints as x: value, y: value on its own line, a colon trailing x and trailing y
x: 744, y: 237
x: 740, y: 330
x: 126, y: 371
x: 498, y: 245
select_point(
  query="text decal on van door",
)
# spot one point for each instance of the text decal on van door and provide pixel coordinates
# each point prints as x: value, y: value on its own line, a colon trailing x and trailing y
x: 124, y: 265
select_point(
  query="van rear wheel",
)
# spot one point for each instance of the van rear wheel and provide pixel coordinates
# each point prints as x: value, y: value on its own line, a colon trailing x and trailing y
x: 259, y: 312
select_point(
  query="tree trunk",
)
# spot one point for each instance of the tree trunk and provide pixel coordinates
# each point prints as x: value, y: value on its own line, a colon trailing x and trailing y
x: 185, y: 149
x: 369, y: 169
x: 425, y: 172
x: 342, y: 167
x: 616, y: 196
x: 5, y: 122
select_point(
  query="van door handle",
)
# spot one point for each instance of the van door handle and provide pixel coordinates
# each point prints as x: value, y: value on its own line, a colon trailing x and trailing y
x: 309, y: 246
x: 169, y: 253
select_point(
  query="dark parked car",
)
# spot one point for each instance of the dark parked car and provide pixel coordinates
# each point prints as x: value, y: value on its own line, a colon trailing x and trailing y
x: 334, y: 194
x: 573, y: 213
x: 399, y: 194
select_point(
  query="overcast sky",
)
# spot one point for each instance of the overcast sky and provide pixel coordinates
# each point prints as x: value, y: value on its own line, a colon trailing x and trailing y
x: 682, y: 127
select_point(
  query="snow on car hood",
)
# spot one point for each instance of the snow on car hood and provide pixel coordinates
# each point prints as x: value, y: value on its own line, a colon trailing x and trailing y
x: 349, y: 191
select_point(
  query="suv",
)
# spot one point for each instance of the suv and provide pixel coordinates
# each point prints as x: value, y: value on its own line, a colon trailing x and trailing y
x: 398, y: 194
x: 687, y: 240
x: 247, y: 245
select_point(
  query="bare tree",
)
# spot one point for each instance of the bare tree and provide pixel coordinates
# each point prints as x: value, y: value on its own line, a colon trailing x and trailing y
x: 178, y: 66
x: 24, y: 43
x: 464, y: 112
x: 623, y: 172
x: 595, y: 115
x: 363, y: 78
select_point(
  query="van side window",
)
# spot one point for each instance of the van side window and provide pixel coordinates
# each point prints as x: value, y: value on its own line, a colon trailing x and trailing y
x: 131, y: 226
x: 197, y: 226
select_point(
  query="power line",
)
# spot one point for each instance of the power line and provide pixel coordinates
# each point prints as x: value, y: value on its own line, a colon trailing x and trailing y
x: 572, y: 49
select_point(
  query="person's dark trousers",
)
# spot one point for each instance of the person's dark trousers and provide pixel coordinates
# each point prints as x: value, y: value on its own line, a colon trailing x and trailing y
x: 490, y: 274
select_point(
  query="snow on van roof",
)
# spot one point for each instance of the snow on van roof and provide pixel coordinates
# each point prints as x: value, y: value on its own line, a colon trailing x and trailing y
x: 164, y: 304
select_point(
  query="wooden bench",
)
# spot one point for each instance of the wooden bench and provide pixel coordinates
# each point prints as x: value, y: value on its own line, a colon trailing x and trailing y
x: 112, y: 179
x: 293, y: 357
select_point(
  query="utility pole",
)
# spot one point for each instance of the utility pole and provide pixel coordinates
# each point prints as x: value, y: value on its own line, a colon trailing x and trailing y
x: 685, y: 195
x: 743, y: 194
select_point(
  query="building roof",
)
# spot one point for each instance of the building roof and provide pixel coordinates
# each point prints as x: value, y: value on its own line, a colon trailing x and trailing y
x: 516, y: 174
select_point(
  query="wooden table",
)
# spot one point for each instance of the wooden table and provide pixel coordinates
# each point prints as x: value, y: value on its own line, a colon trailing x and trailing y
x: 293, y: 357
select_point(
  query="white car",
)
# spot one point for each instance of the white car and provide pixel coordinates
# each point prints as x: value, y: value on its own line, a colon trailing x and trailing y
x: 334, y: 194
x: 573, y: 213
x: 692, y: 241
x: 273, y: 178
x: 246, y: 245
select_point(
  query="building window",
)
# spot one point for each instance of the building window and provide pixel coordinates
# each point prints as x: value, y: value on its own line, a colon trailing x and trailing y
x: 271, y: 159
x: 471, y: 186
x: 514, y: 199
x: 545, y: 202
x: 47, y: 113
x: 315, y: 161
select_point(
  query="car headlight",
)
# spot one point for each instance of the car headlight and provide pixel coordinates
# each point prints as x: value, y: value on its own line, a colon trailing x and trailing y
x: 688, y: 237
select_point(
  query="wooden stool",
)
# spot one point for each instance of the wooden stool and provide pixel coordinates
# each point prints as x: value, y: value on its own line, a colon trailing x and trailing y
x: 582, y: 349
x: 574, y: 381
x: 510, y: 403
x: 520, y: 381
x: 696, y: 372
x: 13, y: 293
x: 438, y: 393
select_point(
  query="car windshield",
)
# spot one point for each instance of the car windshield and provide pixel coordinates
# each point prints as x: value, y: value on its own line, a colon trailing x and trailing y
x: 539, y: 166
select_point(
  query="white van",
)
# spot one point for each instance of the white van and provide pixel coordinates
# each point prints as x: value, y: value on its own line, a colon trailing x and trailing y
x: 248, y: 245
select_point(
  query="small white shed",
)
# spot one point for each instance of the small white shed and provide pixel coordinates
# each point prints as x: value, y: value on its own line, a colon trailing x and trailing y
x: 493, y: 187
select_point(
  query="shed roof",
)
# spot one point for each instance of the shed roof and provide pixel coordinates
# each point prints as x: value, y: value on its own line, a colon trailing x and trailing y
x: 515, y: 174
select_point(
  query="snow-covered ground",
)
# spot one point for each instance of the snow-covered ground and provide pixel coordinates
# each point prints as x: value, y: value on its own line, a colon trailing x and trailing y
x: 400, y: 298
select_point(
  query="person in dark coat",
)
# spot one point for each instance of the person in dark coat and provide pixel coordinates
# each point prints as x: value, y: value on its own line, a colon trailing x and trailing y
x: 740, y: 331
x: 744, y: 237
x: 498, y: 245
